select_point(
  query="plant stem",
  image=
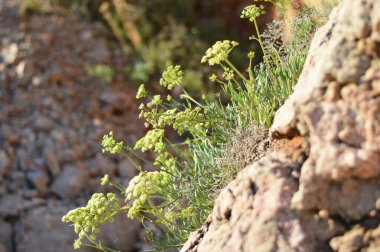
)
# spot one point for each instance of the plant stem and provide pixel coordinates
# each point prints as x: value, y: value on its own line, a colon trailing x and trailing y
x: 161, y: 216
x: 236, y: 70
x: 259, y: 38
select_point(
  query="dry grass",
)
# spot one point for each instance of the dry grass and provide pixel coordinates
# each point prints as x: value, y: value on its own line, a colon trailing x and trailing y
x: 246, y: 146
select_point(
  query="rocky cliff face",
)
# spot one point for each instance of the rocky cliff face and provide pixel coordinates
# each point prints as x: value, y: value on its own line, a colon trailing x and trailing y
x: 321, y: 192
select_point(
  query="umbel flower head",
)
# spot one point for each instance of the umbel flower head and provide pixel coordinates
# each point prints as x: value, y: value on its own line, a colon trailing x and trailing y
x: 167, y: 161
x: 109, y: 144
x: 105, y: 180
x: 141, y: 188
x: 151, y: 141
x: 156, y: 101
x: 252, y: 12
x: 141, y: 92
x: 86, y: 220
x: 171, y: 77
x: 219, y: 52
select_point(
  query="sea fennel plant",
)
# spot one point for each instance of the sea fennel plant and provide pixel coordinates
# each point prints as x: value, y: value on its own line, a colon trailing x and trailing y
x: 174, y: 199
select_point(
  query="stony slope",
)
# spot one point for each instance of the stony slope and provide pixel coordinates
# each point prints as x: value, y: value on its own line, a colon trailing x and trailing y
x: 321, y: 192
x: 52, y: 118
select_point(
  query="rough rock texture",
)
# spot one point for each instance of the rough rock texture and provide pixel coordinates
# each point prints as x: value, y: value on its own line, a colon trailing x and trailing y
x: 321, y: 192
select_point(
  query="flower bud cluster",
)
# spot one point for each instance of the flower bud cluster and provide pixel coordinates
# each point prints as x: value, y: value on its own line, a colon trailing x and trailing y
x: 191, y: 120
x: 171, y: 77
x: 109, y: 144
x: 142, y: 187
x: 252, y: 12
x: 141, y: 92
x: 167, y: 161
x: 153, y: 140
x: 219, y: 52
x: 86, y: 220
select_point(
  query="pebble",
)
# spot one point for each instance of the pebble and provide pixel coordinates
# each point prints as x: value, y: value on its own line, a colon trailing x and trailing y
x: 43, y: 123
x: 10, y: 205
x: 6, y: 236
x: 69, y: 184
x: 5, y: 163
x: 39, y: 179
x: 52, y: 162
x: 18, y: 181
x: 9, y: 54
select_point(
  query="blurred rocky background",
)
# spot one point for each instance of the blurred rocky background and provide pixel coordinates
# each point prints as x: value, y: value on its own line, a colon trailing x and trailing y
x: 52, y: 118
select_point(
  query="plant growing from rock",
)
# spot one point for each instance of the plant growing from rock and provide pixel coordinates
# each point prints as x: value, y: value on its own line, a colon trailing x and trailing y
x: 175, y: 198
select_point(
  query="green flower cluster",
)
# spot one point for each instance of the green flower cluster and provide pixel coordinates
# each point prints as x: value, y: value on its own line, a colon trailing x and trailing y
x: 171, y: 77
x: 228, y: 74
x: 151, y: 141
x: 252, y: 12
x: 157, y: 118
x: 167, y: 161
x: 213, y: 77
x: 86, y: 220
x: 156, y: 101
x: 105, y: 180
x: 141, y: 188
x: 191, y: 120
x: 109, y: 144
x: 141, y: 92
x: 219, y: 52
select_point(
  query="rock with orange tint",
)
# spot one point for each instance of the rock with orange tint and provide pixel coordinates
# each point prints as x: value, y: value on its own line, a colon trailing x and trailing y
x: 321, y: 192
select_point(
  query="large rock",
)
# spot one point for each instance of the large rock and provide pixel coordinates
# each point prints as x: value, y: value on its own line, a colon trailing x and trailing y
x: 334, y: 55
x: 322, y: 193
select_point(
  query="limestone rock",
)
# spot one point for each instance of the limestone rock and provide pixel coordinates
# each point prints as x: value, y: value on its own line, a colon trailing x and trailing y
x: 334, y: 55
x: 324, y: 195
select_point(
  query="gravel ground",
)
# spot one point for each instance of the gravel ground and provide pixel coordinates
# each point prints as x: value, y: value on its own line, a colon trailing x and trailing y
x: 52, y: 118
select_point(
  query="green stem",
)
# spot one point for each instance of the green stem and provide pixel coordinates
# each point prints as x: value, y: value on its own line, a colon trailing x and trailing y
x: 236, y: 70
x: 258, y: 38
x: 92, y: 246
x: 160, y: 216
x: 98, y: 245
x: 192, y: 99
x: 118, y: 187
x: 136, y: 155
